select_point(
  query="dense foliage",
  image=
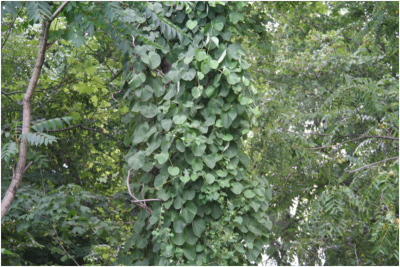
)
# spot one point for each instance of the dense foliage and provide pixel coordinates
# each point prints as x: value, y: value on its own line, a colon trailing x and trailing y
x: 328, y: 137
x: 201, y: 133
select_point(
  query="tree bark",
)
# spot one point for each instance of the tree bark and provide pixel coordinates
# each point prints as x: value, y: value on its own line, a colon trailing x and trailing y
x: 26, y: 122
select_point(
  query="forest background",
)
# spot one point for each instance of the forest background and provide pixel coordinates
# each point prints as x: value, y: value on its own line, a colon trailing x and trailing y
x: 200, y: 133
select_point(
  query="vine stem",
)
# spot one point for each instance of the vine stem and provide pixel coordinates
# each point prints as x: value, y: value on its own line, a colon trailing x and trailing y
x: 141, y: 203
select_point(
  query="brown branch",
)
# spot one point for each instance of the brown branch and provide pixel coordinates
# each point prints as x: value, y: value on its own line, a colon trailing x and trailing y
x: 366, y: 166
x: 26, y: 114
x: 349, y: 135
x: 26, y: 122
x: 89, y: 129
x: 9, y: 30
x: 7, y: 96
x: 20, y: 92
x: 58, y: 11
x: 57, y: 240
x: 318, y: 148
x: 114, y: 77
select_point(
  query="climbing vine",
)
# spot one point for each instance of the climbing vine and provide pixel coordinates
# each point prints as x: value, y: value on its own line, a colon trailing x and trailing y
x: 187, y: 124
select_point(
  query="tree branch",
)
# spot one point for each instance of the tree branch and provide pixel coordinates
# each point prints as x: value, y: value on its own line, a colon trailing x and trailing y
x: 57, y: 240
x: 349, y: 135
x: 9, y: 30
x: 366, y: 166
x: 26, y: 121
x: 58, y: 11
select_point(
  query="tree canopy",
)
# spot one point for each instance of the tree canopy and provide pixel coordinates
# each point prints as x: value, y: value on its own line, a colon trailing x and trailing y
x: 200, y: 133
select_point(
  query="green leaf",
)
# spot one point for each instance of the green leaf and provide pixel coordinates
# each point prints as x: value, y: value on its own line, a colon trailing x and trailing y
x: 141, y: 242
x: 154, y: 60
x: 137, y: 80
x: 162, y: 158
x: 160, y: 180
x: 191, y: 24
x: 213, y: 64
x: 189, y: 251
x: 179, y: 119
x: 198, y: 150
x: 196, y: 92
x: 179, y: 224
x: 185, y: 178
x: 210, y: 91
x: 197, y: 164
x: 222, y: 173
x: 228, y: 117
x: 216, y: 210
x: 237, y: 188
x: 137, y: 160
x: 235, y: 17
x: 233, y: 79
x: 173, y: 171
x: 198, y: 226
x: 149, y: 111
x: 244, y: 159
x: 209, y: 178
x: 166, y: 124
x: 254, y: 227
x: 249, y: 194
x: 209, y: 160
x: 227, y: 137
x: 268, y: 224
x: 188, y: 75
x: 179, y: 238
x: 200, y: 55
x: 189, y: 211
x: 218, y: 25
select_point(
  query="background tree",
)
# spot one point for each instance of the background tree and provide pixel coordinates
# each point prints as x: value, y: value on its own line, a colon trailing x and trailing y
x: 328, y: 137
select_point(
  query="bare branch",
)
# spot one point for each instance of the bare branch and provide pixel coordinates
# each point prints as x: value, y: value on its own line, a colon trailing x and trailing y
x: 7, y: 96
x: 58, y: 11
x: 26, y: 121
x: 57, y: 240
x: 349, y: 135
x: 366, y: 166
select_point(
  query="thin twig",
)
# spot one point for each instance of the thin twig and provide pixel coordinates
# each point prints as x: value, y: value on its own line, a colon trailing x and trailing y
x: 7, y: 96
x: 63, y: 246
x: 355, y: 250
x: 85, y: 128
x: 27, y: 166
x: 349, y: 135
x: 21, y: 92
x: 318, y: 148
x: 9, y: 30
x: 366, y: 166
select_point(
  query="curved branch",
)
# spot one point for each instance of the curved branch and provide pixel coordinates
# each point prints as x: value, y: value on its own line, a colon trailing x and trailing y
x: 141, y: 204
x: 366, y: 166
x: 26, y: 121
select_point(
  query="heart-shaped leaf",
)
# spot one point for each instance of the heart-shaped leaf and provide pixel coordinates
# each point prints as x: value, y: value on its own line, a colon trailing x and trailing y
x: 173, y: 171
x: 162, y: 158
x: 198, y: 226
x: 191, y: 24
x: 210, y: 178
x: 249, y: 194
x: 179, y: 119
